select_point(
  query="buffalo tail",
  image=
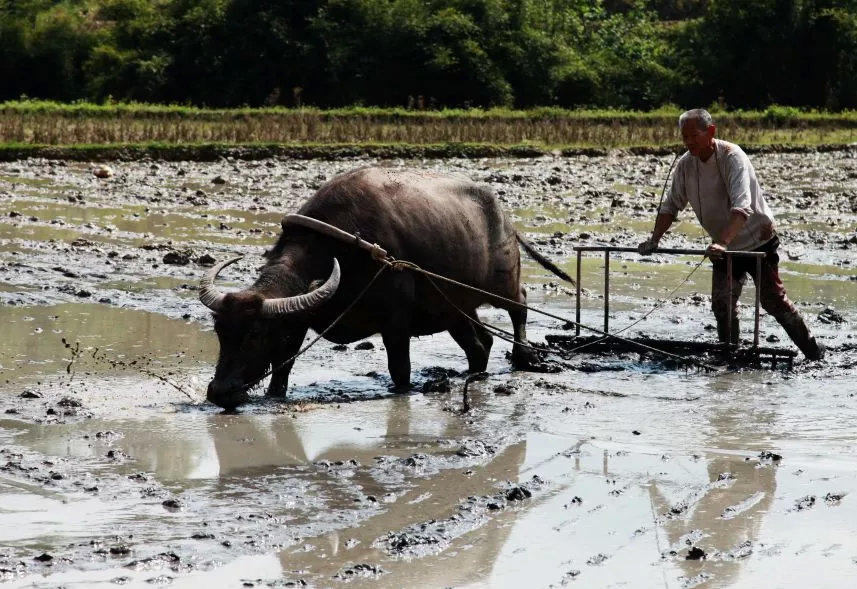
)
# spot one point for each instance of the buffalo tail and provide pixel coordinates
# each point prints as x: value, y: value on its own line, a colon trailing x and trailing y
x: 545, y: 263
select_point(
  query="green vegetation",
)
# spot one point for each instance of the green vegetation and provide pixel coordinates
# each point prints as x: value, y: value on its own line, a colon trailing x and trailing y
x: 432, y: 54
x: 416, y: 77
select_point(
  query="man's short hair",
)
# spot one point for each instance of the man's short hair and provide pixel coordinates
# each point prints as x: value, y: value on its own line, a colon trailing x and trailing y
x: 700, y: 115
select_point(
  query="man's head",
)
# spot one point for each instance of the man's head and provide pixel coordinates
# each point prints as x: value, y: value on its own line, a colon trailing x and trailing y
x: 697, y: 132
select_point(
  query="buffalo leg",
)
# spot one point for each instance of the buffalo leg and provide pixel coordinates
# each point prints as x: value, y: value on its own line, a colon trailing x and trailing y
x: 522, y: 356
x: 396, y: 333
x: 474, y: 340
x: 398, y: 344
x: 280, y: 377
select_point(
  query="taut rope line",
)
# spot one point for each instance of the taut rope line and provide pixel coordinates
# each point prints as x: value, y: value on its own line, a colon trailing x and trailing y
x: 380, y: 254
x: 428, y: 274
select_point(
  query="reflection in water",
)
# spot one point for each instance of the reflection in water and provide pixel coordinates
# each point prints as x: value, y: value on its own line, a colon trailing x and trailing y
x: 420, y: 499
x: 245, y: 462
x: 723, y: 516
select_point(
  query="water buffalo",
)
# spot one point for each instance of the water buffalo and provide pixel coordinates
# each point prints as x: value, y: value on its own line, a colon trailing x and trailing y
x: 447, y: 225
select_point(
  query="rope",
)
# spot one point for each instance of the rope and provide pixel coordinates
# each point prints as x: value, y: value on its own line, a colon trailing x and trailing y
x: 300, y: 352
x: 652, y: 310
x: 380, y: 255
x: 664, y: 189
x: 669, y: 296
x: 502, y: 334
x: 414, y: 267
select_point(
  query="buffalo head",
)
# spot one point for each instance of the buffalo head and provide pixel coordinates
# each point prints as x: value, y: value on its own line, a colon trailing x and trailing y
x: 252, y: 332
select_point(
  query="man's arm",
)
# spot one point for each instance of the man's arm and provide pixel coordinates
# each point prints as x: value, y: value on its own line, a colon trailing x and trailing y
x: 736, y: 223
x: 662, y: 223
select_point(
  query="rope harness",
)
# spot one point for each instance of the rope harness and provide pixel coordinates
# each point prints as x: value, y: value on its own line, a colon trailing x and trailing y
x: 387, y: 261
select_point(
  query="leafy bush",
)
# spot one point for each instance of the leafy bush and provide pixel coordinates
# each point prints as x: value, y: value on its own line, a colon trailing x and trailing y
x: 776, y: 113
x: 432, y: 54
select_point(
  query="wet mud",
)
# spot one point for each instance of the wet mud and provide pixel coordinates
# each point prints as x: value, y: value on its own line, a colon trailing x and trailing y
x: 605, y: 470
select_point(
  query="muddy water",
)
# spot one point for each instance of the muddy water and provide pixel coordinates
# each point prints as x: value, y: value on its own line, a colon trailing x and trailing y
x: 615, y: 471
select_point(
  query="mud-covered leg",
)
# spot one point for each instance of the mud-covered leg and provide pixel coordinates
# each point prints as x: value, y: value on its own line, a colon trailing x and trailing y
x: 724, y: 302
x: 280, y: 377
x: 397, y: 331
x: 523, y: 357
x: 776, y: 302
x: 398, y: 342
x: 475, y: 341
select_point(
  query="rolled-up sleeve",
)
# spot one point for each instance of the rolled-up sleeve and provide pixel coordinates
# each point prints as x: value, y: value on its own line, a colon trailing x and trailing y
x: 738, y: 170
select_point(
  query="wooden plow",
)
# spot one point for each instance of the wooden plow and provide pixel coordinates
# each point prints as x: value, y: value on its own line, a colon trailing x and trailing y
x: 753, y: 355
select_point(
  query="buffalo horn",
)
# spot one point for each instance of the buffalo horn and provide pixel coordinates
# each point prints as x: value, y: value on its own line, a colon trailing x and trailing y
x: 305, y: 302
x: 208, y: 293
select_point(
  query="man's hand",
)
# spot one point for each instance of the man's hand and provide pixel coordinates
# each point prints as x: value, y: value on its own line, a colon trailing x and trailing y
x: 715, y: 250
x: 647, y: 247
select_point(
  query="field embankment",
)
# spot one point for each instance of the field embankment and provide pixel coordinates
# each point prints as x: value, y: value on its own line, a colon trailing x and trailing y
x: 130, y: 131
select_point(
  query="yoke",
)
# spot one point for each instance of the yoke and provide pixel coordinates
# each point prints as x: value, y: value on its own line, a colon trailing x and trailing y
x: 753, y: 355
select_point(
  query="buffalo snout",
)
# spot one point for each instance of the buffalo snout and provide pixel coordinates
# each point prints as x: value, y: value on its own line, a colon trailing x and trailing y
x: 226, y: 394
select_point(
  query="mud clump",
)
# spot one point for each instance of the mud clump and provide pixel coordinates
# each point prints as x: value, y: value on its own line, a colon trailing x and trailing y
x: 505, y: 389
x: 177, y: 258
x: 435, y: 536
x: 475, y: 449
x: 102, y: 172
x: 679, y: 508
x: 597, y: 559
x: 107, y: 435
x: 575, y: 501
x: 117, y: 455
x: 830, y: 316
x: 767, y: 457
x: 366, y: 571
x: 743, y: 550
x: 205, y: 260
x: 172, y: 505
x: 695, y: 553
x: 805, y: 503
x: 408, y: 542
x: 518, y: 493
x: 440, y: 385
x: 170, y: 559
x: 833, y: 498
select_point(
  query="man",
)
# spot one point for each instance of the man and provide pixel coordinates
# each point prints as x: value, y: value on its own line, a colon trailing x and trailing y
x: 719, y: 182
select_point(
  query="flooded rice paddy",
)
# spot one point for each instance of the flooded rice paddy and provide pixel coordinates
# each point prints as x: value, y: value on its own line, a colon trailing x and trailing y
x: 615, y: 471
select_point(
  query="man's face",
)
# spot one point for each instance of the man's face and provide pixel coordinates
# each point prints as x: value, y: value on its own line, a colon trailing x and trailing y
x: 699, y: 143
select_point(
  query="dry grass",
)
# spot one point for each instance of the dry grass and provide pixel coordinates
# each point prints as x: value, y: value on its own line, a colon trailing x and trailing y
x: 65, y: 125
